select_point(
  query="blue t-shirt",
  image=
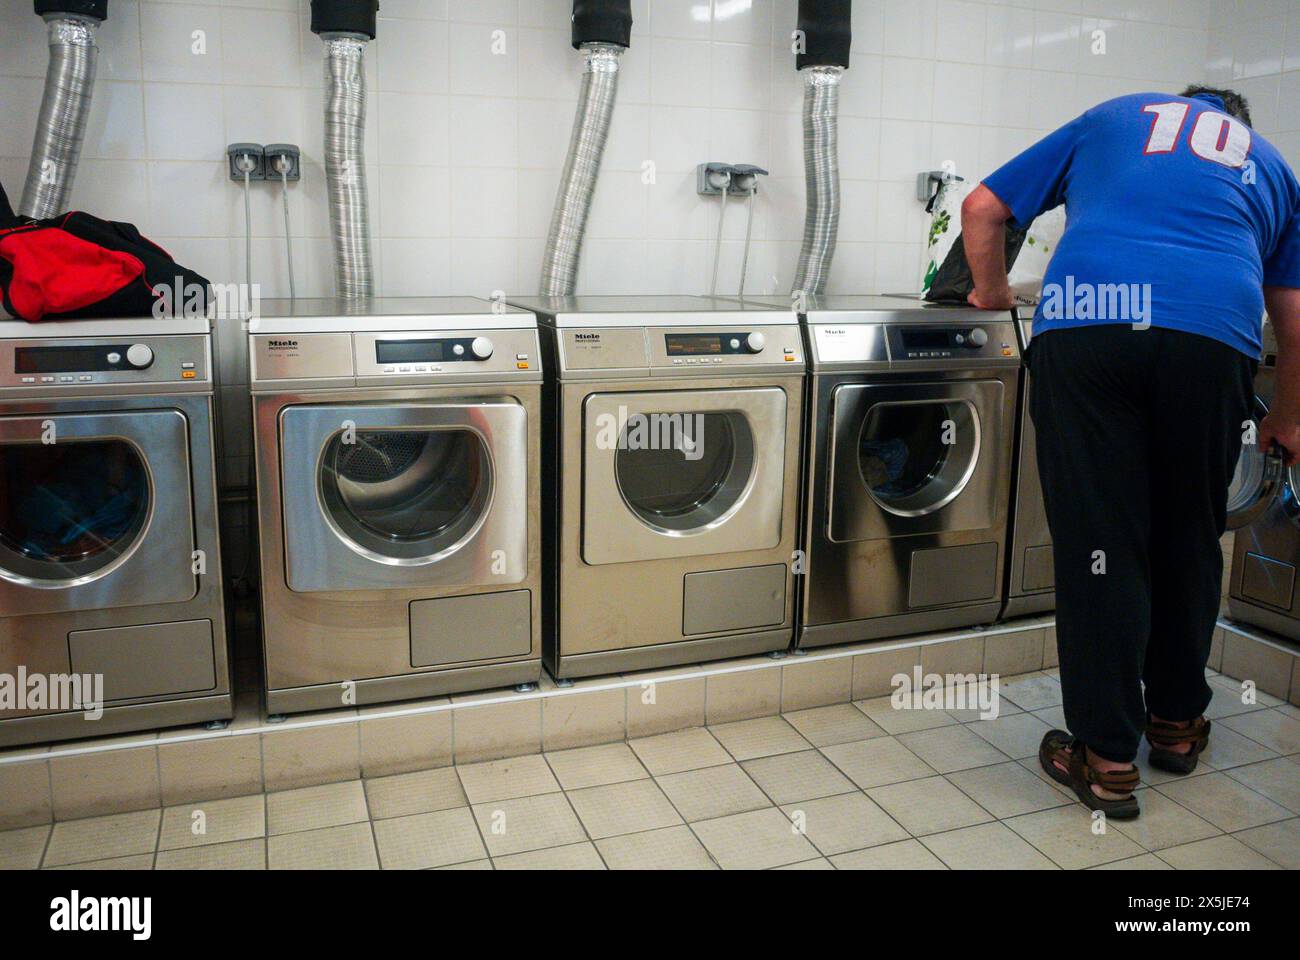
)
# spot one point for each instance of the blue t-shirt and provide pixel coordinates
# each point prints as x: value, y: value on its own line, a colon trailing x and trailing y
x: 1177, y: 216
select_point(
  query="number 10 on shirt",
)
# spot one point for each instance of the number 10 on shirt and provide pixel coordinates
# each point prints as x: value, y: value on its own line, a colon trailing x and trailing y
x: 1215, y: 136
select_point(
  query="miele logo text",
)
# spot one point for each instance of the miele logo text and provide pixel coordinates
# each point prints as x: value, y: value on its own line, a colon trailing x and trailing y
x: 282, y: 344
x: 587, y: 337
x: 836, y: 331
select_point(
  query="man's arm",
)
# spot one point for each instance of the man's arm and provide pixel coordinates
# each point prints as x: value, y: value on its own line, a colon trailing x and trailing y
x: 984, y: 234
x: 1282, y: 425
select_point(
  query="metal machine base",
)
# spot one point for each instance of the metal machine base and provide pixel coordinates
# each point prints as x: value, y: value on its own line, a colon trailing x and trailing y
x: 127, y: 719
x: 881, y: 628
x: 668, y: 654
x: 389, y: 689
x: 1271, y: 620
x: 1027, y: 605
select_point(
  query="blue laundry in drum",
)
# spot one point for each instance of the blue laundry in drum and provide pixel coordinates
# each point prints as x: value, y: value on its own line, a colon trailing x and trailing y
x: 883, y: 462
x: 84, y: 516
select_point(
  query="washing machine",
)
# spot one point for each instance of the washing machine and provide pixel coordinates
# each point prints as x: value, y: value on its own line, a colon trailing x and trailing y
x: 672, y: 467
x: 911, y: 426
x: 1031, y: 576
x: 1264, y: 510
x: 110, y: 569
x: 397, y: 444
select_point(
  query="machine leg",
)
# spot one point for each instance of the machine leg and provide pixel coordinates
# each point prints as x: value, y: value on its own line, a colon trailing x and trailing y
x: 525, y: 687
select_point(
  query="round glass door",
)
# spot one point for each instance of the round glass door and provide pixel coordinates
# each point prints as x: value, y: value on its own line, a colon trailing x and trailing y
x: 683, y: 472
x: 917, y: 457
x: 406, y: 494
x: 69, y: 510
x: 1255, y: 480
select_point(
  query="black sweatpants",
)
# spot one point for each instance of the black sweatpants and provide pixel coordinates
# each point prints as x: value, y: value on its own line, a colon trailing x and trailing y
x: 1138, y: 437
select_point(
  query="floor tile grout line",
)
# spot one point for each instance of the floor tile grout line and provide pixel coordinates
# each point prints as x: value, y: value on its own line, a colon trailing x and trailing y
x: 45, y: 848
x: 1247, y: 786
x: 574, y: 810
x: 1261, y: 852
x: 1229, y: 771
x: 487, y: 851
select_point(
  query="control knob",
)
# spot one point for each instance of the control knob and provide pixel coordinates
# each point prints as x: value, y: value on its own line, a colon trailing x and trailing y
x: 481, y: 348
x: 978, y: 338
x: 139, y: 356
x: 755, y: 342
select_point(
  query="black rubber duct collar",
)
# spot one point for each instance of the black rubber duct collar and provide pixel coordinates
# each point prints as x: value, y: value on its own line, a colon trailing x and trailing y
x: 602, y: 21
x: 82, y: 8
x: 827, y: 28
x: 344, y: 16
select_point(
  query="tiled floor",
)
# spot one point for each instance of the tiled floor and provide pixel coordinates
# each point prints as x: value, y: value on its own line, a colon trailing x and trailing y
x: 851, y: 786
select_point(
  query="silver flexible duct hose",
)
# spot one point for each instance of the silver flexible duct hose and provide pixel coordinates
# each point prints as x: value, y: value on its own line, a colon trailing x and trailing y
x: 821, y: 108
x: 61, y: 128
x: 581, y: 169
x: 345, y: 165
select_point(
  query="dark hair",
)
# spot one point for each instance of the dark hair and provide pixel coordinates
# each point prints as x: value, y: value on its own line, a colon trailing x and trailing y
x: 1234, y: 103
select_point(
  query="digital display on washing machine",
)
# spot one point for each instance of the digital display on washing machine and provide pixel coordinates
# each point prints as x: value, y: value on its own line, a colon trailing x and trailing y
x: 410, y: 351
x: 927, y: 339
x: 69, y: 359
x: 704, y: 344
x: 423, y: 351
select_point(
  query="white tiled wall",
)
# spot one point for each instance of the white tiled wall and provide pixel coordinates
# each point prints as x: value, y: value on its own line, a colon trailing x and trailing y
x: 1255, y: 48
x: 465, y: 144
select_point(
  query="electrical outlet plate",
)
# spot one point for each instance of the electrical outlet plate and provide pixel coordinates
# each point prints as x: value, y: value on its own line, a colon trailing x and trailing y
x: 237, y: 150
x: 288, y: 150
x: 707, y: 173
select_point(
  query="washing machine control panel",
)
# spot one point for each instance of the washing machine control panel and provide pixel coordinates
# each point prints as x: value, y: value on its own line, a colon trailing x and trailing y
x: 688, y: 351
x: 400, y: 357
x: 681, y: 351
x: 937, y: 343
x: 909, y: 345
x: 75, y: 363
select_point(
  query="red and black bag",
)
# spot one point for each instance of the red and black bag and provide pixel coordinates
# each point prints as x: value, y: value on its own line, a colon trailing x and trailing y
x: 79, y: 266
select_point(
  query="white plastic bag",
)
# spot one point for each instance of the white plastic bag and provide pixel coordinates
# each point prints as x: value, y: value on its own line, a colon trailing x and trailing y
x: 1040, y: 245
x: 945, y: 225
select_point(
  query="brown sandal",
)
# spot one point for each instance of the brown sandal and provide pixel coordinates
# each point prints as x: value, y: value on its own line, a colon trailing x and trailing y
x: 1080, y: 776
x: 1162, y: 735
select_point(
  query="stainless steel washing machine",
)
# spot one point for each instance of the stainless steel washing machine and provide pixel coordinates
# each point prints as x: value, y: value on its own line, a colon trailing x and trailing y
x: 397, y: 447
x: 110, y: 569
x: 1031, y: 576
x: 1264, y: 510
x: 673, y: 459
x: 911, y: 429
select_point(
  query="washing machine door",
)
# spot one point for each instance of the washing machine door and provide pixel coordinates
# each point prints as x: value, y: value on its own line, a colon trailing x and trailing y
x: 405, y: 495
x: 1257, y: 480
x: 909, y: 458
x: 96, y: 512
x: 682, y: 473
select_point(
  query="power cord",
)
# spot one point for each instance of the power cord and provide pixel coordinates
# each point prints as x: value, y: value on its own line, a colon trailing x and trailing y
x: 749, y: 228
x: 246, y: 165
x: 281, y: 164
x: 717, y: 247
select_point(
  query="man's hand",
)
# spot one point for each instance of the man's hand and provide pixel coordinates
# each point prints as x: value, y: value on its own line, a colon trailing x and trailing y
x: 1285, y: 433
x: 1002, y: 299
